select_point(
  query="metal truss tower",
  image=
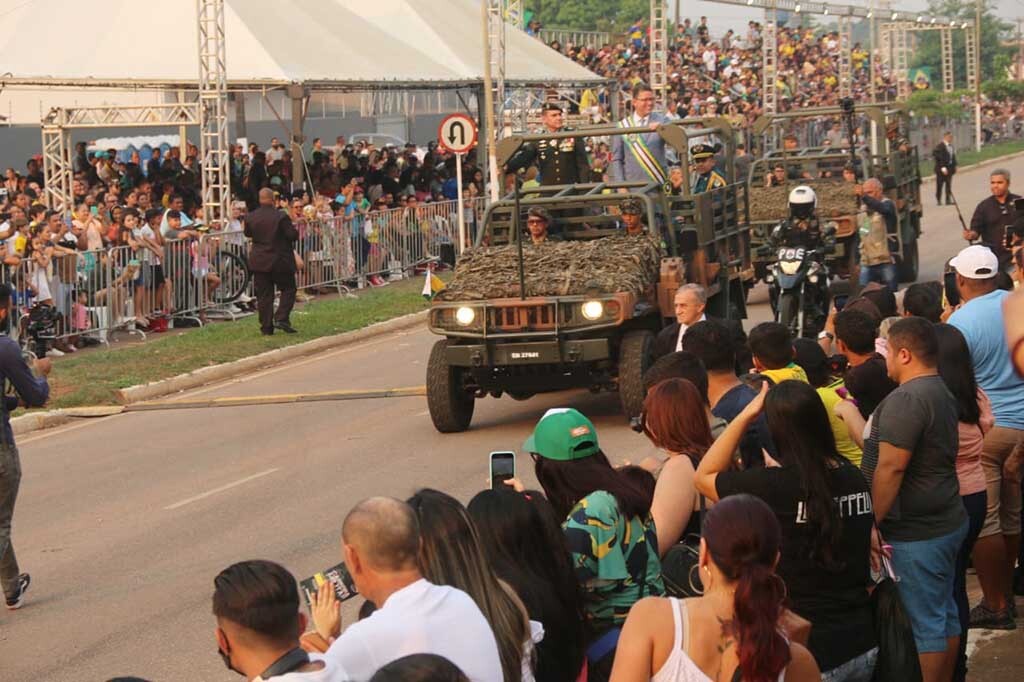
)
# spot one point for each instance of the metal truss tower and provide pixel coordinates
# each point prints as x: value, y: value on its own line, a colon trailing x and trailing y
x: 946, y: 35
x: 769, y: 56
x: 659, y: 54
x: 845, y: 48
x: 213, y: 104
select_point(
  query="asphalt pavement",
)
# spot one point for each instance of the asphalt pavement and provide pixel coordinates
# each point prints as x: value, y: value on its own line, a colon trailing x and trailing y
x: 124, y: 521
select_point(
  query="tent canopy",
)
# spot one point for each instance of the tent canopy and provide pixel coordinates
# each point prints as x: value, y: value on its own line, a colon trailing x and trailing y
x: 324, y: 44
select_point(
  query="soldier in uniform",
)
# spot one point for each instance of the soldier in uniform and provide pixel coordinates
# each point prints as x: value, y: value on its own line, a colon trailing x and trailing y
x: 632, y: 216
x: 897, y: 141
x: 537, y: 223
x: 708, y: 176
x: 560, y: 161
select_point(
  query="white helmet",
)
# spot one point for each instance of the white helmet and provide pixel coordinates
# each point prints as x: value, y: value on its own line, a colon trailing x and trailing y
x: 802, y: 202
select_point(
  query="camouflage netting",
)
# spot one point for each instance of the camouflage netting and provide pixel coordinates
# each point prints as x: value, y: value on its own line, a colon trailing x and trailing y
x: 608, y: 265
x: 772, y: 203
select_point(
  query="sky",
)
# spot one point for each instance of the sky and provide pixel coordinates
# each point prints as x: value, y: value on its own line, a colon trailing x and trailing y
x: 736, y: 18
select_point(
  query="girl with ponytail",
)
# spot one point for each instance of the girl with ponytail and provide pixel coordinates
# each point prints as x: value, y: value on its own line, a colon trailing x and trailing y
x: 733, y: 631
x: 823, y: 507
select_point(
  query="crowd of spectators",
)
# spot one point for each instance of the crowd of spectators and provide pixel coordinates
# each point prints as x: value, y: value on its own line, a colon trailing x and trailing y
x: 700, y: 562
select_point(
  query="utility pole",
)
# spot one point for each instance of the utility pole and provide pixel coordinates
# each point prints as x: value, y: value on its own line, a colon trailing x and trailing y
x: 977, y: 76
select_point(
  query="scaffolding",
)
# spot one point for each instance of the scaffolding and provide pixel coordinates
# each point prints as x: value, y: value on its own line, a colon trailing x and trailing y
x: 212, y: 109
x: 659, y: 54
x: 971, y: 48
x: 769, y: 57
x: 901, y: 59
x: 946, y: 36
x: 845, y: 49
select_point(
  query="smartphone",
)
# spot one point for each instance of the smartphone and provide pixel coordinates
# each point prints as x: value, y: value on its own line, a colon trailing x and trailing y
x: 503, y: 467
x: 949, y: 289
x: 840, y: 301
x: 338, y: 576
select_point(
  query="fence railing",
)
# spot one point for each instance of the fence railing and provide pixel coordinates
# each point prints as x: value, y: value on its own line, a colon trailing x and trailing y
x: 64, y: 296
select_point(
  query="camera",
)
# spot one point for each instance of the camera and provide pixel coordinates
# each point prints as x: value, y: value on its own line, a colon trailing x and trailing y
x: 838, y: 364
x: 846, y: 104
x: 41, y: 328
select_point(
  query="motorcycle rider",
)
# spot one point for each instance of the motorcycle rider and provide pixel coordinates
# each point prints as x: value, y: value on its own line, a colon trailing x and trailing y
x: 802, y: 228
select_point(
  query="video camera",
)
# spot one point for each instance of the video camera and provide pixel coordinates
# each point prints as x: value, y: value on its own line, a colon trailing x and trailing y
x: 42, y: 328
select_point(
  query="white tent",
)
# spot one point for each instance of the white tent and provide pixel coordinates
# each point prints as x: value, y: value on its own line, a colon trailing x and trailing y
x: 324, y: 44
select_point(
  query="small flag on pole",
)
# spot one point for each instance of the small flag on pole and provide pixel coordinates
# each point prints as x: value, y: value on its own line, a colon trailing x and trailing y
x: 431, y: 285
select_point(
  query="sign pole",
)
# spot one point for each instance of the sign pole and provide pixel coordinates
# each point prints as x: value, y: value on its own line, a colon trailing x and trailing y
x: 461, y: 208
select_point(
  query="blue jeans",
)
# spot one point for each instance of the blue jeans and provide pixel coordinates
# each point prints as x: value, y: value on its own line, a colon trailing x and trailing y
x: 975, y: 504
x: 926, y: 570
x: 883, y: 273
x: 859, y: 669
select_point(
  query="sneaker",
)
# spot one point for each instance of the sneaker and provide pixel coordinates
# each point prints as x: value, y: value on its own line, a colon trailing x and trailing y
x: 54, y: 353
x: 984, y: 618
x: 23, y: 582
x: 72, y: 348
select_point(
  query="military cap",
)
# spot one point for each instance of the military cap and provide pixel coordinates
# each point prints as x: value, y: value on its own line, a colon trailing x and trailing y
x: 551, y: 106
x: 699, y: 152
x: 538, y: 212
x: 631, y: 205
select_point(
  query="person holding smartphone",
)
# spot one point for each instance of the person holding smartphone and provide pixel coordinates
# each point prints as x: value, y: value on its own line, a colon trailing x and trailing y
x: 995, y: 217
x: 32, y: 391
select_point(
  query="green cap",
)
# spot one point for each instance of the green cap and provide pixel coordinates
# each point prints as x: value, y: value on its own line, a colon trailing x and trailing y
x: 563, y: 434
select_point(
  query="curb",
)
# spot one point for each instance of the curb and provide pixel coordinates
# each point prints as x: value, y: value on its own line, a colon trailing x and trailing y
x: 981, y: 164
x: 207, y: 375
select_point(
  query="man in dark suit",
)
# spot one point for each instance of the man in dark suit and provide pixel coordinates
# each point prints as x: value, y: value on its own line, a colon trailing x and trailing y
x: 272, y: 262
x: 945, y: 166
x: 689, y: 303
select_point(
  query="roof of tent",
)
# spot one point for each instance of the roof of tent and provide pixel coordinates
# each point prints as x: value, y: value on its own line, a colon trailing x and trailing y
x: 325, y: 44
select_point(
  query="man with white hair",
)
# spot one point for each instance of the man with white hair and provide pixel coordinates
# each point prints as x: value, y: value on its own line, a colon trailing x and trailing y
x: 879, y: 235
x: 689, y: 304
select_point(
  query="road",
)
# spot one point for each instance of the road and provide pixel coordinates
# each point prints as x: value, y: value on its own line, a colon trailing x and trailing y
x: 123, y: 522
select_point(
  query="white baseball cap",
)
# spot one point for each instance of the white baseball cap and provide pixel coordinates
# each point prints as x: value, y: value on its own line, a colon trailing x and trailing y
x: 976, y: 262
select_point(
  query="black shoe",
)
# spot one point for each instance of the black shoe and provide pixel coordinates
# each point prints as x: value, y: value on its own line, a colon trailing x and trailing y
x: 984, y: 618
x: 18, y: 600
x: 286, y: 328
x: 264, y: 332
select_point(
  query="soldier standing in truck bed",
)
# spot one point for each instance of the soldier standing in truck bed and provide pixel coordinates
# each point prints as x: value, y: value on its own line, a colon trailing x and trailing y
x: 560, y: 161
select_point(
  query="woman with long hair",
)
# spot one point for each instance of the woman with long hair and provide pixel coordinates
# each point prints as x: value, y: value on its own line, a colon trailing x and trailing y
x: 608, y: 527
x: 451, y: 554
x: 523, y: 542
x: 976, y: 419
x: 675, y: 420
x: 731, y: 631
x: 824, y: 507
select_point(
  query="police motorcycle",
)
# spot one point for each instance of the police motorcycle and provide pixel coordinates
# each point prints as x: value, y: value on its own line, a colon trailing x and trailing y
x: 798, y: 279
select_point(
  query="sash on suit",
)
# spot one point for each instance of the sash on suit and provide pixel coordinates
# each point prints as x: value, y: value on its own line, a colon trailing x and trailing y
x: 641, y: 152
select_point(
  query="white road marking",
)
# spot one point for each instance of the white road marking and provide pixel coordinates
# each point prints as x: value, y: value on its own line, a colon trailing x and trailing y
x: 229, y: 486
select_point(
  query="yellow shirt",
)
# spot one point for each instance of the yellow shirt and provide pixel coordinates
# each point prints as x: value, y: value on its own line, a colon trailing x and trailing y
x: 844, y: 444
x: 792, y: 371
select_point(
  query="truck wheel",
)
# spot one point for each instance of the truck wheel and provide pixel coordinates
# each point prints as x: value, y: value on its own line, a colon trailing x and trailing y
x: 908, y: 265
x: 635, y: 356
x: 789, y: 307
x: 450, y: 404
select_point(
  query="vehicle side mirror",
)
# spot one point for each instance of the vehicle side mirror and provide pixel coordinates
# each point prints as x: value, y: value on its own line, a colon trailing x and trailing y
x: 764, y: 250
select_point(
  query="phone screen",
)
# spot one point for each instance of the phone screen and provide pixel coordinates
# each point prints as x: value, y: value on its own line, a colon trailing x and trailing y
x: 338, y: 576
x: 503, y: 467
x: 841, y: 301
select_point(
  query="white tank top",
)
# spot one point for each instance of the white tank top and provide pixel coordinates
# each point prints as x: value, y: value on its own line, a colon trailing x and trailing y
x: 679, y: 667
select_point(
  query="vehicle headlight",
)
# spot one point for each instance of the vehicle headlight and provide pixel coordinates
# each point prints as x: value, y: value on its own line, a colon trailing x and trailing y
x: 465, y: 316
x: 769, y: 278
x: 790, y: 267
x: 593, y: 310
x: 813, y: 279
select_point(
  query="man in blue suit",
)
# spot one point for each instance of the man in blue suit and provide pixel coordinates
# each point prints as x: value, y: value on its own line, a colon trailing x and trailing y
x: 640, y: 156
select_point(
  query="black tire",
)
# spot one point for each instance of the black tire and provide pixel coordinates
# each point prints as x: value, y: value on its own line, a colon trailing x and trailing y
x: 234, y: 276
x: 450, y: 404
x: 789, y: 309
x: 635, y: 356
x: 908, y: 265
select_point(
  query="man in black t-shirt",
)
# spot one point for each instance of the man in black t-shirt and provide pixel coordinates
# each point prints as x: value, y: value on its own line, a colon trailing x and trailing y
x: 866, y: 378
x: 910, y: 464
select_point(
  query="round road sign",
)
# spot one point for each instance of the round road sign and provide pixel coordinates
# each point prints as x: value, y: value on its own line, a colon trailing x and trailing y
x: 457, y: 133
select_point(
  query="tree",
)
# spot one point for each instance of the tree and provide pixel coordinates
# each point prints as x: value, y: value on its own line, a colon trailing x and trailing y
x: 993, y: 32
x: 590, y: 15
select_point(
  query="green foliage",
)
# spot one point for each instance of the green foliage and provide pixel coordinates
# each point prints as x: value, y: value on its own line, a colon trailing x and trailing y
x: 1004, y: 89
x: 993, y: 31
x: 935, y: 103
x: 590, y: 15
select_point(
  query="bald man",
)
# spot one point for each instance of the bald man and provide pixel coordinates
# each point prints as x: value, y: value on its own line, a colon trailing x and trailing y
x: 272, y: 262
x: 882, y: 239
x: 380, y: 542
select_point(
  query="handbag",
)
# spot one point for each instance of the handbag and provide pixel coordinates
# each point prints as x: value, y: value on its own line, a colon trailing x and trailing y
x: 897, y: 651
x: 680, y: 567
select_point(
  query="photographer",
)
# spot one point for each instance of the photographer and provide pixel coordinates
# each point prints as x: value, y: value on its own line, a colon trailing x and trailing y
x: 995, y: 218
x: 33, y: 392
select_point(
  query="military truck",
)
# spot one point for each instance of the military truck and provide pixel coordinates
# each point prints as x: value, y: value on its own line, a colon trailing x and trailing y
x: 898, y: 171
x: 583, y: 313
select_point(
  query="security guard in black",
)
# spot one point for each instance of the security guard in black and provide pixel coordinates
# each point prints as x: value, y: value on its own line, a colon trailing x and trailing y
x: 559, y: 161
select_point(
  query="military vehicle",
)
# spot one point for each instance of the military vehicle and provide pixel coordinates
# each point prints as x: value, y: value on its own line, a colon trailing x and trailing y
x: 821, y: 169
x: 583, y: 312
